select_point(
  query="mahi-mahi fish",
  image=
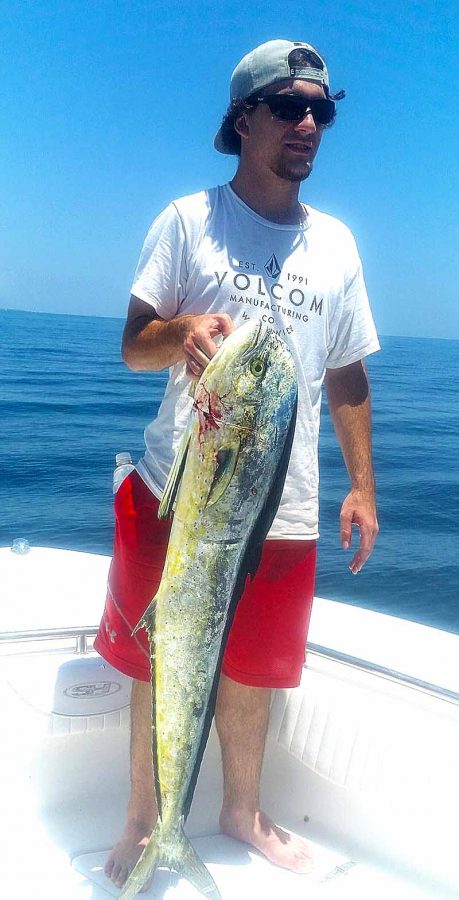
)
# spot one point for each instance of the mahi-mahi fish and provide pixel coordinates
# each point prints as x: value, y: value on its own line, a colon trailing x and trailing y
x: 225, y: 486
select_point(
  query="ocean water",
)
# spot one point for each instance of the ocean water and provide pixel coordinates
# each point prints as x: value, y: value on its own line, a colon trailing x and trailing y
x: 68, y: 404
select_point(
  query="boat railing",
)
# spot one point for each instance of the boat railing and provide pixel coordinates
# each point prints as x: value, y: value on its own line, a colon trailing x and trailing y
x: 363, y: 665
x: 78, y: 633
x: 81, y: 635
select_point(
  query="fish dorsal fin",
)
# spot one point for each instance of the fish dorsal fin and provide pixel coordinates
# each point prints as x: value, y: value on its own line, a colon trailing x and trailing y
x: 175, y: 476
x: 272, y: 501
x: 227, y: 457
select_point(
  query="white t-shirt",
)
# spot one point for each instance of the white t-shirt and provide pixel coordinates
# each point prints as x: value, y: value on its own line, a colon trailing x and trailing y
x: 209, y: 252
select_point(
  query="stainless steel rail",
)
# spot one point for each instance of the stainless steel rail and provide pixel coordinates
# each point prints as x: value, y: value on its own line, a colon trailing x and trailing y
x: 82, y: 633
x: 363, y: 665
x: 79, y: 633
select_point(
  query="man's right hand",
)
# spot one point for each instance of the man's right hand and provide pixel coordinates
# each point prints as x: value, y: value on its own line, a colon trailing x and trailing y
x: 151, y: 343
x: 199, y: 345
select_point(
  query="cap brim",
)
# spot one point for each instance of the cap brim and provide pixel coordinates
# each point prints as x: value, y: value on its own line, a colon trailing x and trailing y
x: 219, y: 145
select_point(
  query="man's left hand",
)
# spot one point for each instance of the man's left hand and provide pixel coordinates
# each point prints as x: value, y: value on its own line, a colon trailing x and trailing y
x: 359, y: 509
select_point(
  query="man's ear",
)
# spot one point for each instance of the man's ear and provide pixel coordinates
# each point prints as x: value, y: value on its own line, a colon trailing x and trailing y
x: 241, y: 124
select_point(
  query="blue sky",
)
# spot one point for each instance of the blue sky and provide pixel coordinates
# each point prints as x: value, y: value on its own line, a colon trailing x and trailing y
x: 108, y: 112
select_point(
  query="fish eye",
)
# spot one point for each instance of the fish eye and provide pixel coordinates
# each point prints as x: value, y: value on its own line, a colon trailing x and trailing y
x: 257, y: 367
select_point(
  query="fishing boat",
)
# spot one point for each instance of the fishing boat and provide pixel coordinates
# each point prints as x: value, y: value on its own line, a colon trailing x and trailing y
x: 361, y: 758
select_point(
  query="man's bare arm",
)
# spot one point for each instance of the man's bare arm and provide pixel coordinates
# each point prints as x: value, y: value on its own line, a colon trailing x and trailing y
x: 349, y: 401
x: 150, y: 343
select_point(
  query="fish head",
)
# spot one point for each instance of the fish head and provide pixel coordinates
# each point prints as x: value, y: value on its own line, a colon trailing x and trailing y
x: 244, y: 405
x: 253, y: 371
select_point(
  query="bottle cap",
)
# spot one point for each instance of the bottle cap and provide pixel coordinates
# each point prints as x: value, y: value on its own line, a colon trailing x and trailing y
x: 21, y: 546
x: 123, y: 459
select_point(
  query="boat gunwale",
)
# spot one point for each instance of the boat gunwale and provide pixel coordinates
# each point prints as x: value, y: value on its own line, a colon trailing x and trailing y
x: 82, y: 633
x: 392, y: 675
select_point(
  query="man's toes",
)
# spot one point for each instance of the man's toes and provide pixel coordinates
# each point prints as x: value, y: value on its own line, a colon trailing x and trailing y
x: 304, y: 864
x: 122, y: 877
x: 108, y: 868
x: 305, y: 867
x: 116, y: 872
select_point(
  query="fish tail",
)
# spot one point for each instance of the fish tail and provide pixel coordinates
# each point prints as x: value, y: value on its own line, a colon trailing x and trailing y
x: 146, y: 864
x: 188, y: 864
x: 171, y: 850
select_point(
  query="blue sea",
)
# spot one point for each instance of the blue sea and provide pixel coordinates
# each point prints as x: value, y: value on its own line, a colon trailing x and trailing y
x: 68, y: 404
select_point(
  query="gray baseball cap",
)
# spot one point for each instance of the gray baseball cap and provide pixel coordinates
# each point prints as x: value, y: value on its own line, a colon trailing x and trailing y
x: 271, y: 62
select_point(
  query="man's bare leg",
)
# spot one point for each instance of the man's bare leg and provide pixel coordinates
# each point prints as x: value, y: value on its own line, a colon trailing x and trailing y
x: 142, y: 810
x: 241, y: 717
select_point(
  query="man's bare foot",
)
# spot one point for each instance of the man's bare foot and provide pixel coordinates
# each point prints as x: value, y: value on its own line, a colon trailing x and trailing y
x: 126, y: 852
x: 280, y: 847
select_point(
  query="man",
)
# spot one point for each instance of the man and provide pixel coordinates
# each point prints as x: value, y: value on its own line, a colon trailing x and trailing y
x: 248, y: 249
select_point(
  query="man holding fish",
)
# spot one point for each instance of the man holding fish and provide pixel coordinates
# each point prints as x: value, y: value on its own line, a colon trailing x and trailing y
x: 248, y: 250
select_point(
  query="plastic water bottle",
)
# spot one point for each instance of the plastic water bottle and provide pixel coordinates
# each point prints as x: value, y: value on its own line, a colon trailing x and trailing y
x: 123, y: 467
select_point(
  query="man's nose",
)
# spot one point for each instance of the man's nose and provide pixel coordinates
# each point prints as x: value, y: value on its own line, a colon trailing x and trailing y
x: 307, y: 123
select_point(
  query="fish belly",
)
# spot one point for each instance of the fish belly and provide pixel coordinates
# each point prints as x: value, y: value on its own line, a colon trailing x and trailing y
x: 190, y: 621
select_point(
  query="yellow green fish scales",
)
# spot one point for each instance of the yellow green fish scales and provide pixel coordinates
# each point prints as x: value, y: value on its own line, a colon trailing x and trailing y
x: 225, y: 486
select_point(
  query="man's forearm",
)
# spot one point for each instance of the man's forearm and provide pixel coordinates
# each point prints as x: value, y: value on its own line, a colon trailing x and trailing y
x: 152, y: 345
x: 349, y: 402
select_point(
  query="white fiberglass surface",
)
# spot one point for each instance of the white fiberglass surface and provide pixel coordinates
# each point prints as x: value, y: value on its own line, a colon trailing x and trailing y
x: 240, y: 874
x: 243, y: 874
x: 338, y: 756
x: 353, y: 762
x: 49, y: 588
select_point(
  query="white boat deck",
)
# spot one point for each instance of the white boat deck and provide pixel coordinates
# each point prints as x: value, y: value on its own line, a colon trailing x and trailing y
x: 363, y: 765
x: 243, y: 874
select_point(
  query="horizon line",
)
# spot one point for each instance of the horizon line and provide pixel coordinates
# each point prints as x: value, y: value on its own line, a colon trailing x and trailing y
x: 43, y: 312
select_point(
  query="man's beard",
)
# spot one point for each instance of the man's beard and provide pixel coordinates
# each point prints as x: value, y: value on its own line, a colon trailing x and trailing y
x: 292, y: 173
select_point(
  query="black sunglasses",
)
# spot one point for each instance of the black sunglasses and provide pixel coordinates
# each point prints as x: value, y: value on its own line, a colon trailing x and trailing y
x: 293, y: 107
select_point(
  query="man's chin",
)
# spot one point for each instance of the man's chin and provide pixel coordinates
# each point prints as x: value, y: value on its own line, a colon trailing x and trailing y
x: 295, y: 173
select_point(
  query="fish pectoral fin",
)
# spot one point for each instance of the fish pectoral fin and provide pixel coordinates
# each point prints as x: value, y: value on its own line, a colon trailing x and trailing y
x: 175, y: 476
x: 148, y: 619
x: 226, y: 460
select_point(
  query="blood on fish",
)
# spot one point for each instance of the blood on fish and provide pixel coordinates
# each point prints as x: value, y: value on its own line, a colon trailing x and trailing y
x: 209, y: 406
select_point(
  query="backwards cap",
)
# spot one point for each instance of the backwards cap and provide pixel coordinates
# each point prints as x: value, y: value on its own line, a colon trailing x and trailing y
x: 271, y: 62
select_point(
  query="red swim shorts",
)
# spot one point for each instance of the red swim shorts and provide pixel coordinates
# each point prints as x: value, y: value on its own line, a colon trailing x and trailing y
x: 266, y: 643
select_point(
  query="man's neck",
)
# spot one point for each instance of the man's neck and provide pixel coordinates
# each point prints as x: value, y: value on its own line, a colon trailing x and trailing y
x: 271, y: 197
